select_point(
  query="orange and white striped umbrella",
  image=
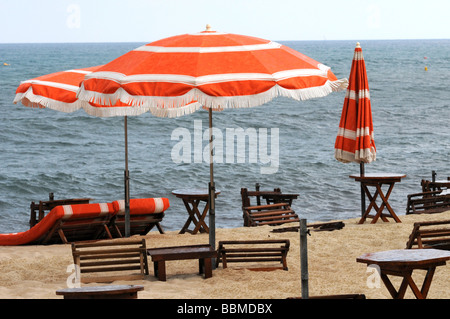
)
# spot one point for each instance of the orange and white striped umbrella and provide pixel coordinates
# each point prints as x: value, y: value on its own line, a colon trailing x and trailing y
x: 355, y: 138
x: 58, y: 91
x: 218, y: 70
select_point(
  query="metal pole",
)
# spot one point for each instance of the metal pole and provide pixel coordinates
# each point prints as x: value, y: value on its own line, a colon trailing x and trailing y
x: 304, y: 258
x: 127, y: 183
x: 363, y: 196
x: 212, y: 192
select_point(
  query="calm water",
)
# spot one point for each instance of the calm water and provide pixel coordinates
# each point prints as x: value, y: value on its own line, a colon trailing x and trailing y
x: 76, y: 155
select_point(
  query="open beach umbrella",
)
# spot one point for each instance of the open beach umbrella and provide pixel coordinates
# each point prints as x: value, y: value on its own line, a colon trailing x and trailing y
x: 355, y: 138
x: 58, y: 91
x: 218, y: 70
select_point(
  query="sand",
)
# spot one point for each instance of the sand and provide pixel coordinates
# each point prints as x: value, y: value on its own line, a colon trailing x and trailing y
x: 36, y: 272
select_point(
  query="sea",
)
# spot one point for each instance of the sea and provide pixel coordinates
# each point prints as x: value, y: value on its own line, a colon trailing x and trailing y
x: 75, y: 155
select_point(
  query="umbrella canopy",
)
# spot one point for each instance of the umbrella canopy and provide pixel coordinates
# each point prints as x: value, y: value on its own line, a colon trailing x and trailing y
x: 217, y: 70
x: 355, y: 138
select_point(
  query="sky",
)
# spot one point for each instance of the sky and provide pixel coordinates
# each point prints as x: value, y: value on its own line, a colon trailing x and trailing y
x: 56, y: 21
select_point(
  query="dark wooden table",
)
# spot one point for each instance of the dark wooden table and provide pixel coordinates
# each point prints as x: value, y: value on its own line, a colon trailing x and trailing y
x: 203, y: 253
x: 378, y: 180
x: 191, y: 199
x: 101, y: 292
x: 402, y: 263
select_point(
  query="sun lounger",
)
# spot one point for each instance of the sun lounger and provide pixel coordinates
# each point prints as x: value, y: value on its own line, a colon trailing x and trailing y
x: 431, y: 234
x: 428, y: 202
x: 145, y: 213
x: 66, y: 224
x: 39, y: 210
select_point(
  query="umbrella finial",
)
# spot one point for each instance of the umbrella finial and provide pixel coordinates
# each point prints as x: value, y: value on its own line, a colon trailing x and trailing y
x: 357, y: 45
x: 208, y: 27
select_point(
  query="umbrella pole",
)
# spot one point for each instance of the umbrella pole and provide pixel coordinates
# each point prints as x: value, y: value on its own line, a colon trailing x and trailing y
x: 304, y: 258
x: 212, y: 190
x: 127, y: 183
x: 363, y: 197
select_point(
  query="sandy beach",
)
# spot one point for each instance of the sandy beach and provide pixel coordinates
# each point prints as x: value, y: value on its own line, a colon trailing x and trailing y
x: 36, y: 272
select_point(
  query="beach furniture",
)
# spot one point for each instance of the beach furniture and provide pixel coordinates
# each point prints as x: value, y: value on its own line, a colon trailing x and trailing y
x: 378, y: 180
x: 427, y: 202
x: 191, y: 200
x: 110, y: 260
x: 402, y: 263
x: 64, y: 224
x: 203, y: 253
x: 276, y: 211
x: 430, y: 234
x: 145, y: 213
x: 101, y: 292
x: 255, y: 252
x: 39, y: 210
x: 327, y: 226
x: 343, y: 296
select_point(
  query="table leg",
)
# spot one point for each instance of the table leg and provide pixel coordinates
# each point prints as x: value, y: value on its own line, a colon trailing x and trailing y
x: 205, y: 266
x: 373, y: 204
x: 408, y: 281
x: 160, y: 269
x: 200, y: 224
x: 386, y: 202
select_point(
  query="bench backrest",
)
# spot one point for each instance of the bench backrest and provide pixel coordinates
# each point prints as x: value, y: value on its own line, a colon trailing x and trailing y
x: 254, y: 251
x: 120, y: 260
x: 432, y: 234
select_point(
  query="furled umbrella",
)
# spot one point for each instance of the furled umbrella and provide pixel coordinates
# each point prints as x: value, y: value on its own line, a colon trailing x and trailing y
x: 355, y: 138
x: 58, y: 91
x: 218, y: 70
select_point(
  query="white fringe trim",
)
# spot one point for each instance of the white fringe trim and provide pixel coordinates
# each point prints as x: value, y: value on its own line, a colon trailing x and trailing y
x: 366, y: 156
x: 183, y: 105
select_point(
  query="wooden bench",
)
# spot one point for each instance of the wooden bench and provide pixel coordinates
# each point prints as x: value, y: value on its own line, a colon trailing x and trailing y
x: 203, y: 253
x: 101, y: 292
x: 427, y: 203
x: 273, y: 214
x: 431, y: 234
x: 254, y: 251
x: 39, y: 210
x: 112, y: 257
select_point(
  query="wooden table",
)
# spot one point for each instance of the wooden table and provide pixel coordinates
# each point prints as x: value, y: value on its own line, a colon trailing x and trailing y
x: 378, y: 180
x: 191, y: 199
x: 101, y: 292
x: 203, y: 253
x: 402, y: 263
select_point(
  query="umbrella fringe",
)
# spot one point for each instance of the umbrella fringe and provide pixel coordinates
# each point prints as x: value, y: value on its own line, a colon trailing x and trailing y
x: 366, y: 156
x: 29, y: 99
x: 195, y: 99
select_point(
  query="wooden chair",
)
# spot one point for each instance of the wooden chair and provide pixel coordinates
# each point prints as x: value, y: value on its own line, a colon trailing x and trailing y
x: 38, y: 211
x: 120, y: 260
x: 254, y: 251
x: 276, y: 211
x: 431, y: 234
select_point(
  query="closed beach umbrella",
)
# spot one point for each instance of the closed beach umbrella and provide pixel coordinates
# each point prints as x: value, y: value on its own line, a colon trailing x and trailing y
x: 355, y: 138
x: 58, y: 91
x: 218, y: 70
